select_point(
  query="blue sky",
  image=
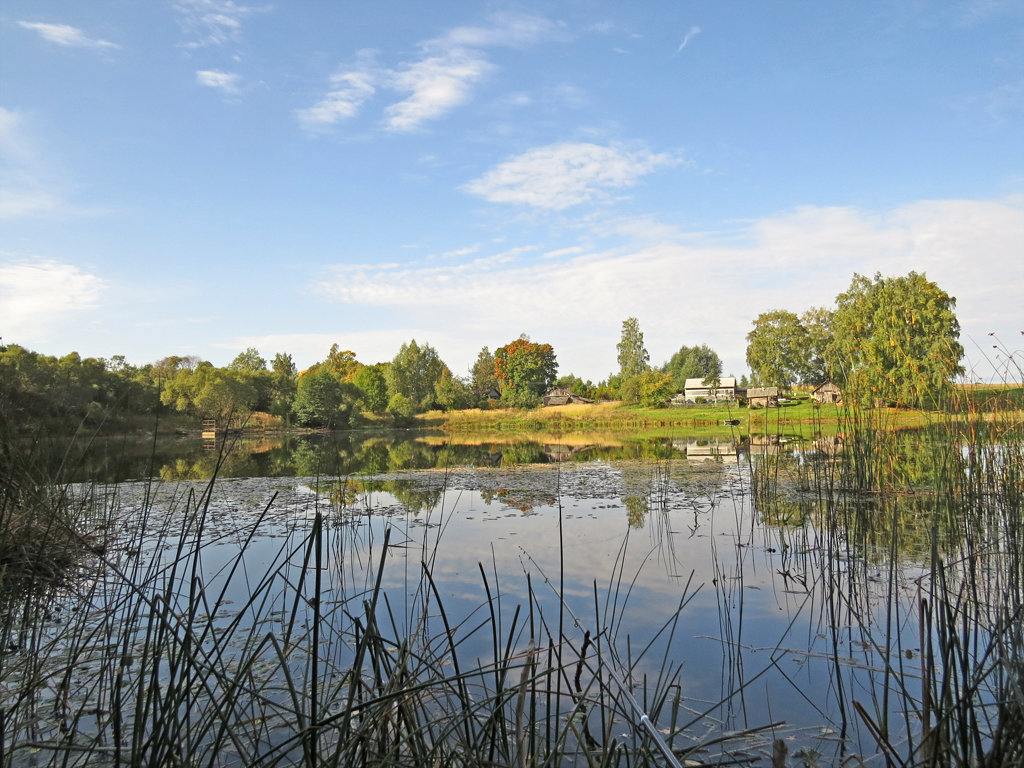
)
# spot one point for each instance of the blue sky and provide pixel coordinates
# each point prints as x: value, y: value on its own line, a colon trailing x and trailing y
x: 200, y: 176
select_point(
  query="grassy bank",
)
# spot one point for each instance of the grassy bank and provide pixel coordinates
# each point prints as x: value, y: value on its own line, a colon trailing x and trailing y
x: 616, y: 417
x: 798, y: 414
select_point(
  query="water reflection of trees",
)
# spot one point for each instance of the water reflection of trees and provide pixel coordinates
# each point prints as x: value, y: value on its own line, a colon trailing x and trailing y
x: 882, y: 492
x: 525, y: 500
x: 636, y: 510
x: 413, y: 495
x: 201, y: 466
x: 375, y: 453
x: 344, y: 453
x: 857, y: 519
x: 651, y: 489
x: 914, y: 541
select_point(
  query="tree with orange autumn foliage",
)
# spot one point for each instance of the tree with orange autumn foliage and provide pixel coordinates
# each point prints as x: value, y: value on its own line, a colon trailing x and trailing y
x: 525, y: 370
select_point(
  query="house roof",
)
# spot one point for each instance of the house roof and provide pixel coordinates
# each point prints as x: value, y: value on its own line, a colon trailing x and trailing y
x: 563, y: 396
x: 724, y: 382
x: 558, y: 392
x: 762, y: 392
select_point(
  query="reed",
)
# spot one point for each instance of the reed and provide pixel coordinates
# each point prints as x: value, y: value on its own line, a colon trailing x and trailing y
x: 914, y: 544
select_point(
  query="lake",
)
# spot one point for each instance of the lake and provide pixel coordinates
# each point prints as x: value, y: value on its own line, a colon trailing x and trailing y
x: 723, y: 595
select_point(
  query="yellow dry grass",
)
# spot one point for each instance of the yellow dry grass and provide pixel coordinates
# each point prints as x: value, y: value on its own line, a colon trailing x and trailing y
x: 573, y: 412
x: 571, y: 439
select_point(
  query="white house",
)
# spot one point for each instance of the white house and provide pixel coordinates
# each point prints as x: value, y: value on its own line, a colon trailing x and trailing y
x: 695, y: 388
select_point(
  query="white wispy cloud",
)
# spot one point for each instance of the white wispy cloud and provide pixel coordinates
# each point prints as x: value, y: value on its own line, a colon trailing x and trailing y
x: 559, y: 252
x: 23, y: 191
x: 559, y: 176
x: 225, y: 82
x: 567, y: 95
x: 453, y: 63
x: 514, y: 101
x: 66, y: 35
x: 692, y: 33
x: 436, y: 85
x: 16, y: 146
x: 502, y: 29
x: 26, y: 202
x: 37, y: 294
x: 437, y: 81
x: 350, y: 88
x: 1005, y: 101
x: 674, y: 287
x: 973, y: 12
x: 456, y: 253
x: 212, y: 22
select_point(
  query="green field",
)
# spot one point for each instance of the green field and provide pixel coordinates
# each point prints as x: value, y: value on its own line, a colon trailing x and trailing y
x: 798, y: 413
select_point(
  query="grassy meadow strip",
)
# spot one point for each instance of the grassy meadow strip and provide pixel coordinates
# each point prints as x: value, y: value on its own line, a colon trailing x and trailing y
x: 706, y: 420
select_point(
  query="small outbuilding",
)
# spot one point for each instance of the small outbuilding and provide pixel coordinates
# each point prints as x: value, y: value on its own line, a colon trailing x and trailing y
x: 563, y: 396
x: 827, y: 393
x: 762, y: 397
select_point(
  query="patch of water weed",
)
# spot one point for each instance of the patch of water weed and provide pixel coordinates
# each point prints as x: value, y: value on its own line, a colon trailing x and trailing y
x: 44, y: 530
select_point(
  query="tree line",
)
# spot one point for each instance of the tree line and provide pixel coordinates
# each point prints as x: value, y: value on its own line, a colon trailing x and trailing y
x: 888, y: 340
x: 892, y: 339
x: 336, y: 392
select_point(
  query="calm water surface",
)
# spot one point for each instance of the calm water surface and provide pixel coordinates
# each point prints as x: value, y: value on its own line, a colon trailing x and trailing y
x: 631, y: 530
x: 627, y: 532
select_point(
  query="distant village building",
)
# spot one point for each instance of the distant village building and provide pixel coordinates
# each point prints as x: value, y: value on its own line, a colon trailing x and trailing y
x: 563, y: 396
x: 696, y: 389
x: 761, y: 397
x: 827, y: 393
x: 562, y: 452
x: 829, y: 445
x: 713, y: 450
x: 766, y: 445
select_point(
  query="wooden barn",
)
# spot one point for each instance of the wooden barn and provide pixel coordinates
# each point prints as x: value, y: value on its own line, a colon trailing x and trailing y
x: 827, y: 393
x: 563, y: 396
x: 762, y: 397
